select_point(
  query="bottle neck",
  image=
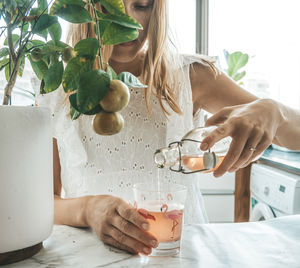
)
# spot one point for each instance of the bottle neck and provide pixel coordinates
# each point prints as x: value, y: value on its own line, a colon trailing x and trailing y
x: 166, y: 157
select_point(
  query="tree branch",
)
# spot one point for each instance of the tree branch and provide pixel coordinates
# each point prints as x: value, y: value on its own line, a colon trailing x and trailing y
x: 10, y: 43
x: 96, y: 19
x: 11, y: 83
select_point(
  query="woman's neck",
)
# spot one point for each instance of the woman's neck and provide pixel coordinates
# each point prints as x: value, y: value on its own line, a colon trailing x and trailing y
x: 135, y: 66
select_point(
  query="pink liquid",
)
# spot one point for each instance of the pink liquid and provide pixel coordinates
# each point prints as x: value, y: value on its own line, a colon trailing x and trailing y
x: 195, y: 163
x: 165, y: 225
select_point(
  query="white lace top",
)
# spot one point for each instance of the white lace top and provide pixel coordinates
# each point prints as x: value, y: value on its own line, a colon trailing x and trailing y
x: 92, y: 164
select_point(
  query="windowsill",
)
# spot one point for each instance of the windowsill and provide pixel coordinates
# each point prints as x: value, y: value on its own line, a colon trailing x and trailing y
x: 286, y: 160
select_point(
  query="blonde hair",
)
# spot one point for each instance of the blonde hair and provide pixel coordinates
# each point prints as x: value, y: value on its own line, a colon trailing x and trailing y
x: 157, y: 74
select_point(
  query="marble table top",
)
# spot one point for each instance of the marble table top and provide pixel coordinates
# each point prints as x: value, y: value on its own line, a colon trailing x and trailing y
x: 273, y: 243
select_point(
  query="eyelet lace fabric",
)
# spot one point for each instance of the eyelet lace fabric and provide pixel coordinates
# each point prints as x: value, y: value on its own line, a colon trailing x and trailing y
x: 95, y: 165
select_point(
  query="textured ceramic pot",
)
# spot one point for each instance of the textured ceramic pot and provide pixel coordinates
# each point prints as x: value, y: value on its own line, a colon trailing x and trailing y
x: 26, y: 177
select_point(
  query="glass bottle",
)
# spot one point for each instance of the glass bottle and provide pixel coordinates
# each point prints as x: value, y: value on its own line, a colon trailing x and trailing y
x: 186, y: 157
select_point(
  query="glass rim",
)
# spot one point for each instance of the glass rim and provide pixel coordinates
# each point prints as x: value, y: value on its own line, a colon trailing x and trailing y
x: 181, y: 188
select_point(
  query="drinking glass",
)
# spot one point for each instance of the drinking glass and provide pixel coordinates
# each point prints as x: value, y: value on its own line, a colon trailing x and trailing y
x: 162, y: 205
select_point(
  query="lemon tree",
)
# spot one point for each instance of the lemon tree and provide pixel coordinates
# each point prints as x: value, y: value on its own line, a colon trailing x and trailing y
x: 89, y: 89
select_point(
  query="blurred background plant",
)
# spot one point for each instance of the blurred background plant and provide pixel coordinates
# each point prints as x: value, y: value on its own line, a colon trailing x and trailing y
x: 235, y: 62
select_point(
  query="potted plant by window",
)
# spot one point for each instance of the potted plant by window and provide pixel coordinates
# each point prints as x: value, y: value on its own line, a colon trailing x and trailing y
x: 33, y: 32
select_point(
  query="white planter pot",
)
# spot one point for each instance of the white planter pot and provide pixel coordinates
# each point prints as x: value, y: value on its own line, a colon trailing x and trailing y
x: 26, y: 177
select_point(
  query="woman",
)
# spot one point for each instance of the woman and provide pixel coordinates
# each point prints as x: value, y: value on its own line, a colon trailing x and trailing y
x: 95, y: 171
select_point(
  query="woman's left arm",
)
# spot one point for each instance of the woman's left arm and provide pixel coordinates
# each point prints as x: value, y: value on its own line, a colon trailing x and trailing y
x: 252, y: 123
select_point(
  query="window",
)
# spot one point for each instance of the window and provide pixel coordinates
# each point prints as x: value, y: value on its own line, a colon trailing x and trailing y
x: 268, y: 31
x: 23, y: 93
x: 183, y: 24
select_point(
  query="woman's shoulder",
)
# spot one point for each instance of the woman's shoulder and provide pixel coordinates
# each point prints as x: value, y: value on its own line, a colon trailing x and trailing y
x: 188, y: 59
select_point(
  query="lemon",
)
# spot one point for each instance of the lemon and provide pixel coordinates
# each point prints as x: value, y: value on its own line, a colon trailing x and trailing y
x: 116, y: 98
x: 108, y: 123
x: 36, y: 54
x: 68, y: 54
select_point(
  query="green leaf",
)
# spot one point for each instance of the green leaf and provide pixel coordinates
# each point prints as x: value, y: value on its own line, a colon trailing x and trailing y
x: 43, y: 5
x: 236, y: 61
x: 59, y: 3
x: 239, y: 76
x: 35, y: 12
x: 86, y: 47
x: 53, y: 77
x: 54, y: 58
x: 32, y: 95
x: 43, y: 34
x: 103, y: 24
x: 95, y: 110
x: 22, y: 6
x: 3, y: 63
x: 74, y: 68
x: 130, y: 80
x: 73, y: 101
x: 50, y: 49
x: 21, y: 68
x: 112, y: 74
x: 55, y: 31
x: 42, y: 91
x: 35, y: 43
x: 40, y: 68
x: 121, y: 19
x: 73, y: 112
x: 117, y: 34
x: 113, y: 6
x: 11, y: 6
x: 4, y: 52
x: 44, y: 22
x: 74, y: 14
x: 15, y: 39
x: 93, y: 86
x: 25, y: 29
x: 57, y: 44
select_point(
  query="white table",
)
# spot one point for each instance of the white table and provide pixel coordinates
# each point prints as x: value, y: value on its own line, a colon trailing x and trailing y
x: 274, y: 243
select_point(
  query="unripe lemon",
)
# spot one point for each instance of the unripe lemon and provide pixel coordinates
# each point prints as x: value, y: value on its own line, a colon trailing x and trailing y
x: 116, y: 98
x: 106, y: 123
x: 68, y: 54
x: 36, y: 54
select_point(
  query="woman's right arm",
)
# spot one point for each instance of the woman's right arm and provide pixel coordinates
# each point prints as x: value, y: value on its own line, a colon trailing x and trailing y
x: 66, y: 211
x: 113, y: 220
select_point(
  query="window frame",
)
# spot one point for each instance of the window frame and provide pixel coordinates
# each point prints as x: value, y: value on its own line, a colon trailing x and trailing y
x: 202, y: 27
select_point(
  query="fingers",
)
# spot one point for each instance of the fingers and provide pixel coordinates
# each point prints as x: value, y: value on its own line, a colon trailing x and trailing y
x: 111, y: 241
x: 233, y: 154
x: 260, y: 148
x: 131, y: 230
x: 216, y: 135
x: 130, y: 214
x: 219, y: 117
x: 127, y: 241
x: 247, y: 154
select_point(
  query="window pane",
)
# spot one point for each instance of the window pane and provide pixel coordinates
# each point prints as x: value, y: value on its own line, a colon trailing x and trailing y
x: 268, y: 31
x: 183, y: 24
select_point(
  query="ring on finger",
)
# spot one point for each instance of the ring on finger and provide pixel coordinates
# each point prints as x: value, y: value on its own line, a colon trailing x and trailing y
x: 251, y: 148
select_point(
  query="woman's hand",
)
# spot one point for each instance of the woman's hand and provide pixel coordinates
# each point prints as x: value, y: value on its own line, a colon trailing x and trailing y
x: 252, y: 127
x: 119, y: 224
